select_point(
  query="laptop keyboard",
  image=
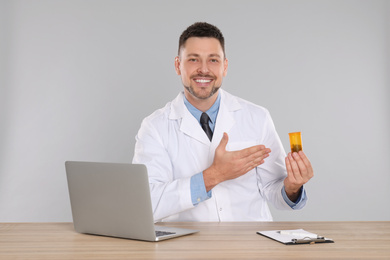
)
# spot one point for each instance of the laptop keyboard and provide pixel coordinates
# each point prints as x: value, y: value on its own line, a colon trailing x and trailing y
x: 163, y: 233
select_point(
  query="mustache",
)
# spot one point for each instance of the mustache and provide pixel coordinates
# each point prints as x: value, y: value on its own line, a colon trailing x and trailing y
x: 203, y: 76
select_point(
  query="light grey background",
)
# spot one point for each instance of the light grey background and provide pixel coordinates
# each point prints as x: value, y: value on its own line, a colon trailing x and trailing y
x: 77, y: 78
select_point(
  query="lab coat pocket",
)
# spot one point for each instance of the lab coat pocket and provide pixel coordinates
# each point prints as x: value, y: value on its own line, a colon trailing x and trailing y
x: 235, y: 146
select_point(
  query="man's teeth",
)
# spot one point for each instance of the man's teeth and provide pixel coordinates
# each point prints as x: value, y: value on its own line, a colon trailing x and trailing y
x: 203, y: 80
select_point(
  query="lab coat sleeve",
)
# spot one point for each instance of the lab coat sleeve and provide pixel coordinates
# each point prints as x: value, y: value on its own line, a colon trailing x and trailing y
x: 169, y: 195
x: 272, y: 173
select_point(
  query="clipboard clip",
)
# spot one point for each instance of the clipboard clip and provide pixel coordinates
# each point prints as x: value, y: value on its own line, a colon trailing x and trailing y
x: 308, y: 240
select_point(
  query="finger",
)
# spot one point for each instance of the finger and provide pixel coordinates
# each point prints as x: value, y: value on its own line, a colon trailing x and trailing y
x: 295, y: 168
x: 255, y: 160
x: 224, y: 141
x: 298, y: 160
x: 257, y: 150
x: 304, y: 171
x: 264, y: 153
x: 288, y: 167
x: 290, y: 173
x: 250, y: 150
x: 307, y: 163
x: 252, y: 164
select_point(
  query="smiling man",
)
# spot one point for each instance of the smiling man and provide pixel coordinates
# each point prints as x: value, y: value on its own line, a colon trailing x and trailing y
x: 212, y: 156
x: 202, y: 65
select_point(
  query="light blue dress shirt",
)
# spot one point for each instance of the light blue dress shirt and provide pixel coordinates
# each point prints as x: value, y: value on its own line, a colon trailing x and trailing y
x: 198, y: 189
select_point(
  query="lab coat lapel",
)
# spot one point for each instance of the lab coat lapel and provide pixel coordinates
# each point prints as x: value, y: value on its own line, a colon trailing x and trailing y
x: 225, y: 120
x: 189, y: 125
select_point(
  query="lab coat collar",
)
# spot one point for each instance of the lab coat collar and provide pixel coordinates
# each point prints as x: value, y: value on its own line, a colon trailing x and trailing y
x: 190, y: 126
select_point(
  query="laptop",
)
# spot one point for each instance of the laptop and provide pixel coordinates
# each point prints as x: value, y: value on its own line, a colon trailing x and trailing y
x: 113, y: 199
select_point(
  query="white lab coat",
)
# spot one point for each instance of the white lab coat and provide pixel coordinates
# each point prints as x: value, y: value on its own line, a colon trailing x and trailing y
x: 173, y: 146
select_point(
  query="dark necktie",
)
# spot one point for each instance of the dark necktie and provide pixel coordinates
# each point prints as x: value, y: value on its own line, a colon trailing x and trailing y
x: 204, y: 121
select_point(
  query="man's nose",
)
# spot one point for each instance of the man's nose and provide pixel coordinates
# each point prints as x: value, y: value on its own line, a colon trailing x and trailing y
x: 203, y: 68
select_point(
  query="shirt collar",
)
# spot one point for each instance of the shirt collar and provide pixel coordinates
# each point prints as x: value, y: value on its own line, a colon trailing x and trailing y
x: 212, y: 112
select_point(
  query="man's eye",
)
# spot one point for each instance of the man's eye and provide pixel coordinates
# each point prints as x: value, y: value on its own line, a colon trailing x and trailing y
x: 214, y: 60
x: 192, y: 60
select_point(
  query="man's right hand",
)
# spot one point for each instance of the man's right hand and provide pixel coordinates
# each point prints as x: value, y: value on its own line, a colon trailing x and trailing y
x: 230, y: 165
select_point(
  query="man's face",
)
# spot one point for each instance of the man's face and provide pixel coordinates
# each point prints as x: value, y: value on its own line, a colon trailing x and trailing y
x: 202, y: 66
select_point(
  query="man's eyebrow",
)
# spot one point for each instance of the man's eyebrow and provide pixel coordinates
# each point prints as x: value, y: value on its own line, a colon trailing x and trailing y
x: 197, y: 55
x: 193, y: 54
x: 215, y: 55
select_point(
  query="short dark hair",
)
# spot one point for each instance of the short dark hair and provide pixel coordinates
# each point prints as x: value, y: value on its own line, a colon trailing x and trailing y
x: 202, y: 29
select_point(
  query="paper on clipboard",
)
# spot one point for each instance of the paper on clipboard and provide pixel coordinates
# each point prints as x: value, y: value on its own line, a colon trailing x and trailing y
x: 296, y: 236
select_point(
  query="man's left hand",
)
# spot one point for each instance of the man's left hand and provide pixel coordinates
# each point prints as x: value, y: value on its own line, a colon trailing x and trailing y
x: 299, y: 172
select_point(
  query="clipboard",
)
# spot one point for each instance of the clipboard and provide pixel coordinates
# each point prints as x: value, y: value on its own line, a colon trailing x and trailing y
x: 294, y: 237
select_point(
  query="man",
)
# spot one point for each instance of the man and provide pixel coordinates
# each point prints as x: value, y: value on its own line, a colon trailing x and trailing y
x: 212, y: 156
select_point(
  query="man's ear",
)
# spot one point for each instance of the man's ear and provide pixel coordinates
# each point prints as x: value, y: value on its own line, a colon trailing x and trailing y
x: 225, y: 67
x: 177, y: 65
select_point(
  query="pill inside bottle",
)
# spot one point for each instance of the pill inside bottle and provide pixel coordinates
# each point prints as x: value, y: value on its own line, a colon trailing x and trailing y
x: 295, y: 141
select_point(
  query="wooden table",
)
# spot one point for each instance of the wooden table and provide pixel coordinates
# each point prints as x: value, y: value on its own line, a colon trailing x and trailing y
x: 232, y: 240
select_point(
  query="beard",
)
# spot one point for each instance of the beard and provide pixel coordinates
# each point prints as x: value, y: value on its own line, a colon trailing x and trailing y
x: 202, y: 93
x: 206, y: 95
